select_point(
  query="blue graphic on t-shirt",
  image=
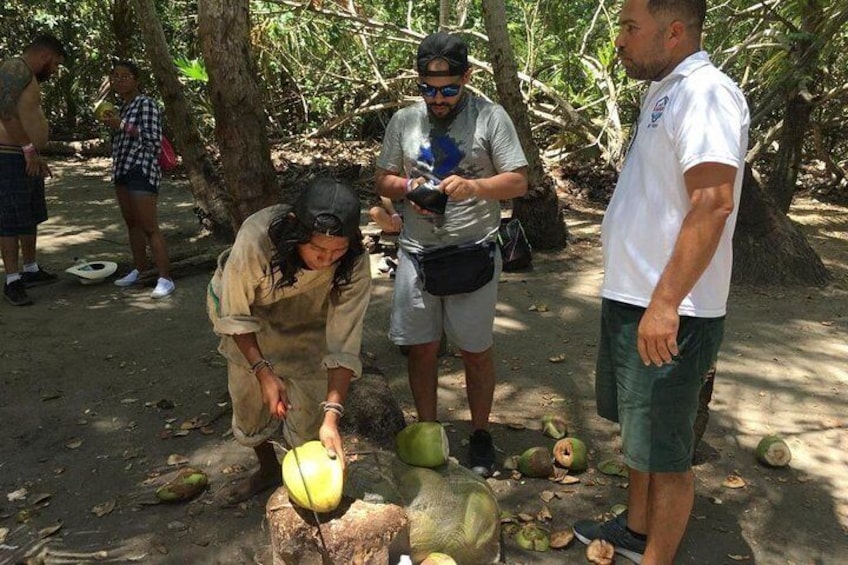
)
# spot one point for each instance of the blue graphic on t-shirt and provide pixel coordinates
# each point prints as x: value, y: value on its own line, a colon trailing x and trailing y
x: 443, y: 155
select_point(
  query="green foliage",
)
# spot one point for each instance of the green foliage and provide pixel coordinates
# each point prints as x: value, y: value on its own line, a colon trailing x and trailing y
x: 192, y: 70
x: 318, y: 65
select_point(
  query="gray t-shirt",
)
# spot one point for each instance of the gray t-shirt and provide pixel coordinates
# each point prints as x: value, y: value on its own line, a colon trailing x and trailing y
x: 479, y: 142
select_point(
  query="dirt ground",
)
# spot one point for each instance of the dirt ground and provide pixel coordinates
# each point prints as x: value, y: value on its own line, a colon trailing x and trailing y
x: 98, y: 382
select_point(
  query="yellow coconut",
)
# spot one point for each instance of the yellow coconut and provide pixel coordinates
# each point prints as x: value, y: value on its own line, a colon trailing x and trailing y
x: 318, y: 474
x: 438, y: 559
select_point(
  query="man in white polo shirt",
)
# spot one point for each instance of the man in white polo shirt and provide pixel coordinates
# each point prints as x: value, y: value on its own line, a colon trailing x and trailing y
x: 667, y: 238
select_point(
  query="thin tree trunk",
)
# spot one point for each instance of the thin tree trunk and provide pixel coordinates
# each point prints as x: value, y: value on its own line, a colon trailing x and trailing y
x: 768, y: 249
x: 798, y: 108
x: 539, y: 211
x: 211, y: 200
x: 123, y: 27
x: 240, y: 120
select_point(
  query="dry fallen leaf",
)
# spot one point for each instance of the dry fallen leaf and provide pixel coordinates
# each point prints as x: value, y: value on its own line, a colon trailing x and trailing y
x: 739, y: 557
x: 544, y: 514
x: 103, y: 509
x: 3, y: 533
x: 40, y: 499
x: 19, y: 494
x: 73, y: 443
x: 524, y: 517
x: 562, y: 539
x: 547, y: 496
x: 192, y: 424
x: 49, y: 530
x: 734, y: 482
x: 177, y: 459
x: 557, y: 359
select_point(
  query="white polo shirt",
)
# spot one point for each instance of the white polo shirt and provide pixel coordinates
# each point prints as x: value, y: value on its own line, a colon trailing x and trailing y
x: 694, y: 115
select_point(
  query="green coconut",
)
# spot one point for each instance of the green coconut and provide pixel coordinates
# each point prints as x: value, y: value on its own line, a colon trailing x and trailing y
x: 314, y: 480
x: 104, y: 108
x: 773, y: 451
x: 570, y: 453
x: 438, y: 559
x: 533, y: 537
x: 536, y: 462
x: 423, y: 444
x: 188, y: 483
x: 554, y: 426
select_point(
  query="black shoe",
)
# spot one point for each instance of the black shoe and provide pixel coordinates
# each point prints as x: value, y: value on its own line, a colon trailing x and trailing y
x: 481, y: 453
x: 15, y: 294
x: 38, y: 278
x: 614, y: 531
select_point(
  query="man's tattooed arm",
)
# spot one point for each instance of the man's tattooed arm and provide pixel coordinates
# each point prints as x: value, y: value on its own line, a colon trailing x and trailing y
x: 15, y: 76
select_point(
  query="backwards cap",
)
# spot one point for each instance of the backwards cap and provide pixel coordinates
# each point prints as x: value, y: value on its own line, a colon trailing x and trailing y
x: 328, y: 197
x: 445, y: 46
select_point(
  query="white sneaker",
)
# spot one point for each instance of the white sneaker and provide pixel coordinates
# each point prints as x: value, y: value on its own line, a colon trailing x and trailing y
x: 129, y: 279
x: 164, y: 287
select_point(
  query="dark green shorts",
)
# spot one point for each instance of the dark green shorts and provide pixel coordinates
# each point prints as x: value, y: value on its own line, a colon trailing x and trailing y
x: 655, y: 406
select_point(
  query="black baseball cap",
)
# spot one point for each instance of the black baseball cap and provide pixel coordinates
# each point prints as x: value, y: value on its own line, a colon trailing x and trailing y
x: 445, y: 46
x: 329, y: 197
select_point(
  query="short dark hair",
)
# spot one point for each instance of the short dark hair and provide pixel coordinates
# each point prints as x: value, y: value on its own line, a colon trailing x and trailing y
x: 133, y: 68
x: 691, y: 12
x: 47, y: 42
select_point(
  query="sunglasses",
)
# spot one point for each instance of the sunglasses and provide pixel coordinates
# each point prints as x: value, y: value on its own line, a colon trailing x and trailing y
x: 447, y: 91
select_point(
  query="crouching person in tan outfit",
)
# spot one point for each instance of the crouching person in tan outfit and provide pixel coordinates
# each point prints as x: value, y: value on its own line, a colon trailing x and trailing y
x: 288, y: 300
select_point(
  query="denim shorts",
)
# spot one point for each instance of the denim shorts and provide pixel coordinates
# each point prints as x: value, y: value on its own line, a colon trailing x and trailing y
x: 656, y: 406
x: 134, y: 180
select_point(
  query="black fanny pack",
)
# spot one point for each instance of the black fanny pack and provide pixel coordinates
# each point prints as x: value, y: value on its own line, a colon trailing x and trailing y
x: 457, y: 269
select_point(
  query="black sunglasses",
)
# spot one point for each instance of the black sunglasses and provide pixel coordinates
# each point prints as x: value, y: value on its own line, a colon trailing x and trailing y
x: 447, y: 91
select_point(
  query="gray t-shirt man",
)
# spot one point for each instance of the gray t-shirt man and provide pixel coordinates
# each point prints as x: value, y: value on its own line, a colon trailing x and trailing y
x: 478, y: 142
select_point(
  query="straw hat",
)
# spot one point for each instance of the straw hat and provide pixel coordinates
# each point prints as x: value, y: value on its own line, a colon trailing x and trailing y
x: 92, y: 272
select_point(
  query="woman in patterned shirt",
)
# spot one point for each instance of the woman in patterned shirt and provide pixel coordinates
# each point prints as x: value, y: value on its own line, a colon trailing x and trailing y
x: 136, y: 144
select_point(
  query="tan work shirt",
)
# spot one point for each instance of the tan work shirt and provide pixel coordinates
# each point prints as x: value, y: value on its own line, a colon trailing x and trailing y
x: 300, y: 325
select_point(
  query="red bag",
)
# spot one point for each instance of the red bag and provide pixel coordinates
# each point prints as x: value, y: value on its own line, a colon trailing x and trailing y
x: 167, y: 156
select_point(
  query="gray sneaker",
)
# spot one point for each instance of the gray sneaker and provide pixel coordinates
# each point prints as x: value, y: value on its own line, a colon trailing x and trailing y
x: 615, y: 532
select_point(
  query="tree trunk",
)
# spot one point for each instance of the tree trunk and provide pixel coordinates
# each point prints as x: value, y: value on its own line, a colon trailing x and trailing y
x: 768, y: 249
x: 212, y: 203
x: 798, y: 108
x: 240, y: 121
x: 123, y: 27
x: 538, y: 211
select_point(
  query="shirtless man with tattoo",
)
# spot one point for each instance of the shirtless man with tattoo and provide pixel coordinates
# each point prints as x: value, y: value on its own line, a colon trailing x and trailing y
x: 23, y: 133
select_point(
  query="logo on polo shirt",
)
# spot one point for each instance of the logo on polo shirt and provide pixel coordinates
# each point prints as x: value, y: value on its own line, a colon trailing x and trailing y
x: 658, y: 110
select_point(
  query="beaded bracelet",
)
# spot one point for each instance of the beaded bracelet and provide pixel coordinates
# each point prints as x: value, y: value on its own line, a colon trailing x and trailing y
x: 256, y: 367
x: 333, y: 407
x: 29, y: 148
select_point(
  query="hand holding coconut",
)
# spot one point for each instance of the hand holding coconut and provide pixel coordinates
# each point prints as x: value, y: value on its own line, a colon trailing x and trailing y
x: 331, y: 439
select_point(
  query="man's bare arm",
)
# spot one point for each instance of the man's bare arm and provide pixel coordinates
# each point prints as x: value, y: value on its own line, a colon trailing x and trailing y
x: 710, y: 187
